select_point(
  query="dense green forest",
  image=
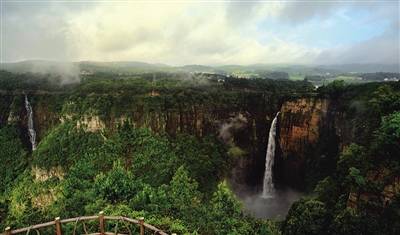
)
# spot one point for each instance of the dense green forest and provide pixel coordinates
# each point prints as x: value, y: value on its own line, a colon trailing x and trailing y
x: 117, y: 174
x: 179, y: 181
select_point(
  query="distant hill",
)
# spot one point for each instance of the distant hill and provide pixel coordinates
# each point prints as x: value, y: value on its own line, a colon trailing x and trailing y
x: 122, y: 67
x: 40, y: 66
x: 255, y: 70
x: 363, y: 68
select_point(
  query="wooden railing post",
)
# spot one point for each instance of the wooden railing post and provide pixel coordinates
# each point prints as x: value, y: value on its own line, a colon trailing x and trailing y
x: 58, y: 226
x: 7, y: 231
x: 57, y: 222
x: 101, y: 222
x: 141, y: 222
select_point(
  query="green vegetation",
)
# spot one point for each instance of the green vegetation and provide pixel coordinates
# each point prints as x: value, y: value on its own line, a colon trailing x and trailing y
x: 296, y: 77
x: 173, y: 183
x: 177, y: 180
x: 13, y: 155
x: 354, y: 198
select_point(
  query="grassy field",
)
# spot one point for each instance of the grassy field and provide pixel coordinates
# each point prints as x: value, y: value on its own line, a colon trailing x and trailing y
x: 296, y: 77
x: 346, y: 77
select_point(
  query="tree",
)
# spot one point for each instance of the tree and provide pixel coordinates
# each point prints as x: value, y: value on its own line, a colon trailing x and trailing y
x: 226, y: 214
x: 306, y: 217
x: 328, y: 190
x: 353, y: 156
x: 388, y: 137
x: 12, y: 156
x: 77, y: 187
x: 184, y: 194
x: 356, y: 179
x: 116, y: 185
x: 185, y: 200
x: 334, y: 89
x: 346, y: 222
x: 385, y: 100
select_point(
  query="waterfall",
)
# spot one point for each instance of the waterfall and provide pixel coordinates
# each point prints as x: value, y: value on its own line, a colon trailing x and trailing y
x: 31, y: 130
x: 268, y: 187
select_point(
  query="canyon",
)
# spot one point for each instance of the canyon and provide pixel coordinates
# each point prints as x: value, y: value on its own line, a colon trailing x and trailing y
x: 305, y: 123
x: 274, y: 152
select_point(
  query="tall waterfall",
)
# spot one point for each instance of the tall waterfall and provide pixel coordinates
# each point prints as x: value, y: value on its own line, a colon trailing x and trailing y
x: 31, y: 129
x: 268, y: 187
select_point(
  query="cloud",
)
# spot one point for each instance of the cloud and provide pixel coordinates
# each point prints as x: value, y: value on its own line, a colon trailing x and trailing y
x: 383, y: 49
x: 24, y: 36
x: 239, y: 13
x: 300, y: 12
x: 176, y: 36
x: 36, y: 30
x: 185, y: 32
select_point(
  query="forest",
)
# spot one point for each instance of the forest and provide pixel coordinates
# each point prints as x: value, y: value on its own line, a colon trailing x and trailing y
x: 151, y: 145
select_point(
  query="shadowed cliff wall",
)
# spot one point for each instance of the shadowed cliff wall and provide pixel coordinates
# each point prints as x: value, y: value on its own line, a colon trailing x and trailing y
x: 199, y: 116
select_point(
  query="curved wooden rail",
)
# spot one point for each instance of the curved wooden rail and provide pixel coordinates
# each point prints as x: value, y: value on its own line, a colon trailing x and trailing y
x: 102, y: 220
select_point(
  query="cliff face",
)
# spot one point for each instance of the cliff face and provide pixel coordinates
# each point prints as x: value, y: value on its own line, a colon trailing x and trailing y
x: 300, y: 125
x: 312, y: 133
x: 154, y: 112
x: 310, y: 130
x: 46, y: 113
x: 307, y: 139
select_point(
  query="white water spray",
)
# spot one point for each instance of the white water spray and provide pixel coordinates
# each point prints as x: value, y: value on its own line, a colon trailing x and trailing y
x: 31, y: 130
x: 268, y: 187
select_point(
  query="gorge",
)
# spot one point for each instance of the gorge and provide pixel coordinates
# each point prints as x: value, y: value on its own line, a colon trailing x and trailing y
x: 304, y: 124
x: 275, y: 143
x: 228, y: 117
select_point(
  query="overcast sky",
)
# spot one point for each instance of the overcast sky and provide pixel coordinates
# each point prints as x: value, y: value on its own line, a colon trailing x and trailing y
x: 177, y: 32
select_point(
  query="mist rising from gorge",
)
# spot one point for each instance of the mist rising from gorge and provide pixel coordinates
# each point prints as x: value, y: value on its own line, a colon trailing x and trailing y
x: 63, y: 72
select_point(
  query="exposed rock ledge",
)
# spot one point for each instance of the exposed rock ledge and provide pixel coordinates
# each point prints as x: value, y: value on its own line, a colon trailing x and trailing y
x: 43, y: 174
x: 91, y: 123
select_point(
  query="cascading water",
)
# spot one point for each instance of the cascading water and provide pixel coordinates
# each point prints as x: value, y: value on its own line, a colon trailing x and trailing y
x: 268, y: 187
x: 31, y: 130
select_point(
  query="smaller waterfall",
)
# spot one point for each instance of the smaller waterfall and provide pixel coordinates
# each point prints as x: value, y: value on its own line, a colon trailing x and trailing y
x: 268, y: 187
x: 31, y: 129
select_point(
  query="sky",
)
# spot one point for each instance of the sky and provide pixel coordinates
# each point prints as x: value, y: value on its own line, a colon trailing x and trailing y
x: 202, y: 32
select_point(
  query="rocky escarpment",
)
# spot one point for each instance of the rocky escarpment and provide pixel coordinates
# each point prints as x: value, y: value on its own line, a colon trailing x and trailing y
x: 308, y: 140
x: 306, y: 125
x: 310, y: 130
x: 46, y: 113
x: 300, y: 124
x: 311, y: 133
x: 104, y: 112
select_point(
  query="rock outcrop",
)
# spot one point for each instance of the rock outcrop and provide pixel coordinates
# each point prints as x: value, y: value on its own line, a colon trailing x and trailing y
x: 91, y: 123
x: 308, y: 139
x: 300, y: 123
x: 43, y: 174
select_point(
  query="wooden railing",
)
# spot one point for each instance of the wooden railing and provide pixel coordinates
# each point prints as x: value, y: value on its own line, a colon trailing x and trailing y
x: 57, y: 223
